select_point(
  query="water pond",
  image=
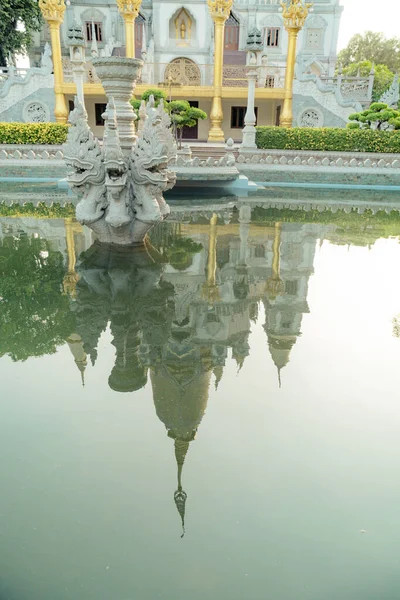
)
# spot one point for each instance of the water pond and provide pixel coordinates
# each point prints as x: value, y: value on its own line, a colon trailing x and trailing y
x: 215, y: 417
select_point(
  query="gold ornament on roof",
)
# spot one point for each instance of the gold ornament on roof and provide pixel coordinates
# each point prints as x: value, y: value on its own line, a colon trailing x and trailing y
x: 295, y: 12
x: 129, y: 7
x: 220, y: 8
x: 52, y: 10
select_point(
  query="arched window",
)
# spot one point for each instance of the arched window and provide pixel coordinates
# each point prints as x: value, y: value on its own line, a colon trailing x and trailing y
x: 232, y: 30
x: 182, y: 71
x: 140, y: 22
x: 94, y: 25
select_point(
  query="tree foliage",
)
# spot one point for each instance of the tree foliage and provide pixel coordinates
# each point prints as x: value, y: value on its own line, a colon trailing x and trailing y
x: 35, y: 315
x: 374, y: 47
x: 24, y: 14
x: 382, y: 80
x: 377, y: 116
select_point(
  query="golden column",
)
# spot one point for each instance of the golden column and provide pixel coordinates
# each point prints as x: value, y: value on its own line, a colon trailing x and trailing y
x: 210, y: 287
x: 295, y: 13
x: 71, y: 278
x: 129, y: 9
x: 220, y: 11
x: 53, y: 12
x: 275, y: 286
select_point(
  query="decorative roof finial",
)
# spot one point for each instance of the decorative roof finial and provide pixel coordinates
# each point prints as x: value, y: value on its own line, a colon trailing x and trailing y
x: 180, y: 496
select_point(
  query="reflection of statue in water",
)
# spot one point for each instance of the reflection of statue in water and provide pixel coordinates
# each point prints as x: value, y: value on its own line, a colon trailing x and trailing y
x: 114, y: 287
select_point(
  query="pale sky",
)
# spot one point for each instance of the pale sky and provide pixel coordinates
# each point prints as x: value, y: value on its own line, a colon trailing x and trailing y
x: 360, y: 16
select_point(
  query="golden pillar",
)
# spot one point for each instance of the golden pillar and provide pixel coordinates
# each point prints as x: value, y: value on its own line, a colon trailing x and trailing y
x: 129, y: 9
x: 71, y: 278
x: 275, y: 286
x: 210, y: 288
x: 53, y: 12
x: 295, y: 13
x: 220, y: 11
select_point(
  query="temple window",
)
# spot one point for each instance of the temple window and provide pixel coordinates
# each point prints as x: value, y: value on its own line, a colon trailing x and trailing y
x: 237, y: 116
x: 232, y: 31
x: 139, y: 35
x: 270, y: 81
x: 98, y: 31
x: 291, y: 287
x: 273, y: 36
x: 259, y: 251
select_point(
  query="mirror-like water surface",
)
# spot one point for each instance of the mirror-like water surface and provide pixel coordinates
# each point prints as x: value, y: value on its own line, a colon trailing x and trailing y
x: 217, y: 417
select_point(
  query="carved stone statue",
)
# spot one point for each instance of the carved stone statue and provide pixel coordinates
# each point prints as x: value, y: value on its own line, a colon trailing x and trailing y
x: 46, y: 62
x: 391, y: 97
x: 121, y: 183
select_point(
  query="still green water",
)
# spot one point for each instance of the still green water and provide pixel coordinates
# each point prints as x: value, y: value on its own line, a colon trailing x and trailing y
x: 261, y: 359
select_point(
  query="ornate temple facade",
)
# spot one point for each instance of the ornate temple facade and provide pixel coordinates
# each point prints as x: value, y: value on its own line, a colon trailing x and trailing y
x: 178, y: 44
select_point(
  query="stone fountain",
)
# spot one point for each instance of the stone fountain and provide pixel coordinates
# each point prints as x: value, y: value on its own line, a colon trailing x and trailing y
x: 121, y: 182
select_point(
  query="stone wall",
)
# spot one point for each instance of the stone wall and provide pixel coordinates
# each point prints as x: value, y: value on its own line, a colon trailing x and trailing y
x: 44, y: 97
x: 308, y: 105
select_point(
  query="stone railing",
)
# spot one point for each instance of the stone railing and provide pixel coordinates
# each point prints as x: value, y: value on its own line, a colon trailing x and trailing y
x: 90, y: 73
x: 30, y: 152
x: 269, y: 76
x: 260, y: 158
x: 184, y: 72
x: 351, y: 88
x: 12, y: 73
x: 322, y: 160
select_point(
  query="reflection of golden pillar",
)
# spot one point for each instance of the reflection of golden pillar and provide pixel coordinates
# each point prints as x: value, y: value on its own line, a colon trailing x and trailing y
x: 129, y: 9
x: 211, y: 292
x: 71, y: 278
x: 220, y: 11
x: 53, y: 12
x: 295, y: 13
x: 212, y: 252
x: 275, y: 285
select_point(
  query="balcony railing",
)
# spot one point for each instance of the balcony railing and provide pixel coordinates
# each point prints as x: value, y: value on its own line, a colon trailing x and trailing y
x: 184, y: 72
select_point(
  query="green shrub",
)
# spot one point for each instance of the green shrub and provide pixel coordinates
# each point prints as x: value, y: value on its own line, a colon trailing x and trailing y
x: 33, y: 133
x: 328, y: 139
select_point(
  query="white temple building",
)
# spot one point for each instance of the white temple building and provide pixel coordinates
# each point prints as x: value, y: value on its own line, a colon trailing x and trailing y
x: 176, y: 41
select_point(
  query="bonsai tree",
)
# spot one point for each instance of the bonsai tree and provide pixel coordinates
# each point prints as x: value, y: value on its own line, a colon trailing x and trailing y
x: 377, y: 116
x: 181, y: 113
x: 184, y: 115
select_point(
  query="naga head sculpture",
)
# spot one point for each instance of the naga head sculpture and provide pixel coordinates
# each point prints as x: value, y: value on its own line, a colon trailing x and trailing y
x: 154, y: 148
x: 82, y: 152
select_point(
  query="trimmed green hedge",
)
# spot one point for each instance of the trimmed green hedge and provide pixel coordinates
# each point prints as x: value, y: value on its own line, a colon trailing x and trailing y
x: 33, y: 133
x: 40, y: 211
x: 327, y: 139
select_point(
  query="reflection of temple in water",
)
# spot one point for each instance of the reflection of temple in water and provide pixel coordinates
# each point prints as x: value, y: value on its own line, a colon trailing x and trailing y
x: 178, y: 312
x: 176, y: 316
